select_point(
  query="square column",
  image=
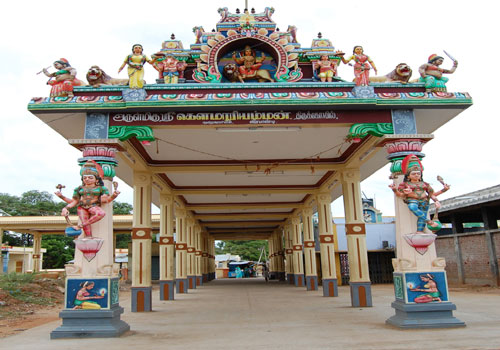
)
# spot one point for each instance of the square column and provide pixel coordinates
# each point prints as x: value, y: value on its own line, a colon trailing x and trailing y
x: 309, y: 249
x: 37, y: 248
x: 327, y: 246
x: 211, y: 259
x: 198, y: 255
x: 280, y: 255
x: 297, y: 255
x: 287, y: 232
x: 181, y: 280
x: 204, y: 256
x: 191, y: 264
x: 167, y: 247
x: 141, y: 244
x: 272, y: 261
x: 359, y: 276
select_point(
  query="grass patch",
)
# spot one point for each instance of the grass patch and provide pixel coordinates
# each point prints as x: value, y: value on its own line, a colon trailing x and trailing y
x: 18, y: 289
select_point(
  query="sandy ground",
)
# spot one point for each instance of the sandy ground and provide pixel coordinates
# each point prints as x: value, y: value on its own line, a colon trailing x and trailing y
x: 250, y: 314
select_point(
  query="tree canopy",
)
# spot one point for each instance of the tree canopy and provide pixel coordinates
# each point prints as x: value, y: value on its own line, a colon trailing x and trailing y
x: 247, y: 250
x: 60, y: 249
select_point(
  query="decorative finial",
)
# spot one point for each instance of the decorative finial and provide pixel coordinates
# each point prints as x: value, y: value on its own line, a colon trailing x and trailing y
x: 253, y: 10
x: 172, y: 36
x: 213, y: 30
x: 277, y: 29
x: 320, y: 35
x: 238, y: 11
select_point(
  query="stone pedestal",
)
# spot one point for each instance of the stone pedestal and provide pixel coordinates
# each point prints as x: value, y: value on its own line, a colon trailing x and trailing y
x: 361, y: 294
x: 90, y: 324
x: 181, y: 285
x: 312, y: 282
x: 435, y: 315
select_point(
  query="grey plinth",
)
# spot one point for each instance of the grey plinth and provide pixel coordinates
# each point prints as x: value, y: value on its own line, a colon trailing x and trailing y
x: 330, y: 287
x: 429, y: 315
x: 361, y: 294
x: 298, y: 280
x: 90, y: 324
x: 191, y: 282
x: 167, y: 290
x: 312, y: 282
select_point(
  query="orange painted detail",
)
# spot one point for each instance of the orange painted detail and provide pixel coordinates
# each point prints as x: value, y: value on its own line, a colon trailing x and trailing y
x: 329, y: 262
x: 326, y: 239
x: 141, y: 233
x: 297, y: 247
x: 354, y: 202
x: 166, y: 240
x: 300, y: 281
x: 311, y: 283
x: 362, y: 296
x: 141, y: 205
x: 140, y: 305
x: 330, y: 289
x: 355, y: 229
x: 181, y: 286
x: 190, y: 283
x: 140, y: 263
x: 360, y: 268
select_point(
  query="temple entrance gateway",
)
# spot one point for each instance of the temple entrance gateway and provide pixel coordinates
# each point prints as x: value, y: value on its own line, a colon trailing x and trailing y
x: 248, y: 142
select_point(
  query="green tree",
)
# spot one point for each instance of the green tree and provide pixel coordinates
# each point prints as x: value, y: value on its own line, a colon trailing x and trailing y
x: 247, y: 250
x: 60, y: 250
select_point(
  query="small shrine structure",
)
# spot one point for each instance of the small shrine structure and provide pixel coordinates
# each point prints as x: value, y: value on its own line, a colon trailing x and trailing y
x: 245, y: 135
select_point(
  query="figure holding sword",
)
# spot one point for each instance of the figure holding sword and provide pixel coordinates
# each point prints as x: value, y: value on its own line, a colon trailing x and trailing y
x: 432, y: 75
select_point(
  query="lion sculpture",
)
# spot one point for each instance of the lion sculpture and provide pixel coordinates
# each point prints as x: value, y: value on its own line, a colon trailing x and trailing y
x: 230, y: 71
x: 401, y: 74
x: 97, y: 77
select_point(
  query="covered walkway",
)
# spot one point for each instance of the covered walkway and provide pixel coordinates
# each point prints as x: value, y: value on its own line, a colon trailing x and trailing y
x: 250, y: 314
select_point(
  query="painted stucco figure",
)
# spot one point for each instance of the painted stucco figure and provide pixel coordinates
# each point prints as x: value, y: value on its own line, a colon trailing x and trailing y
x: 169, y: 68
x: 429, y: 287
x: 416, y: 193
x: 432, y: 75
x: 88, y: 198
x: 135, y: 62
x: 249, y: 66
x: 327, y: 68
x: 362, y: 66
x: 63, y: 80
x: 84, y: 300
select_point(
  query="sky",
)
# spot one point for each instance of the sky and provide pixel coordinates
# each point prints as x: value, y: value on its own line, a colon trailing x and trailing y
x: 36, y: 33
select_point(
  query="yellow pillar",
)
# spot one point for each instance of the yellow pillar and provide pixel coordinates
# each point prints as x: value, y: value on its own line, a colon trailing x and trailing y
x: 181, y: 283
x: 288, y: 252
x: 271, y: 256
x: 141, y: 243
x: 211, y: 258
x: 191, y: 264
x: 198, y: 255
x: 204, y: 255
x: 359, y: 276
x: 167, y: 248
x: 37, y: 252
x: 309, y: 249
x: 280, y: 258
x: 297, y: 255
x: 326, y: 243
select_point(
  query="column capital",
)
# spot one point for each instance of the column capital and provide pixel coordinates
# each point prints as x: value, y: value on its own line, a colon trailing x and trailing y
x: 180, y: 213
x: 295, y: 220
x: 142, y: 178
x: 350, y: 175
x: 307, y: 211
x: 324, y: 197
x: 166, y: 199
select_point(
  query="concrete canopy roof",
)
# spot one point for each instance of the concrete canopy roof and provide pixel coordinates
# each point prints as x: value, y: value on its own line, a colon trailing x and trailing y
x: 244, y: 181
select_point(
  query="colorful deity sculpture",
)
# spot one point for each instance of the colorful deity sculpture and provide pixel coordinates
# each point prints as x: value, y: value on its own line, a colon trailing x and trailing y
x: 63, y: 80
x: 416, y: 193
x: 432, y: 75
x: 135, y: 62
x: 88, y: 198
x: 169, y: 68
x: 327, y: 68
x: 362, y: 65
x: 430, y: 289
x: 249, y: 66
